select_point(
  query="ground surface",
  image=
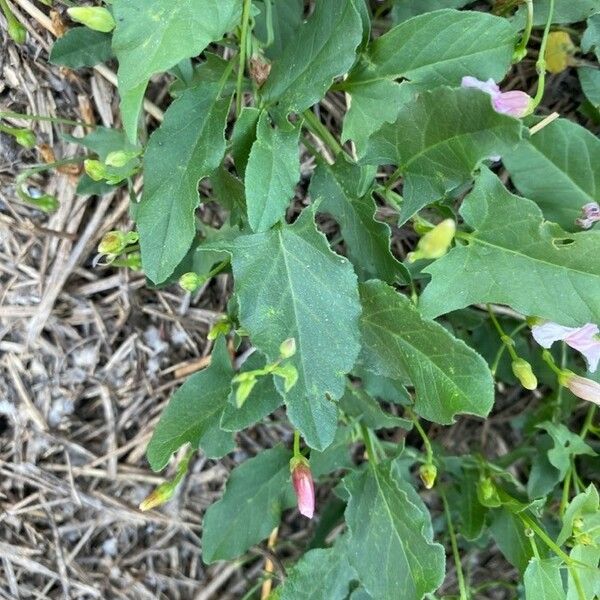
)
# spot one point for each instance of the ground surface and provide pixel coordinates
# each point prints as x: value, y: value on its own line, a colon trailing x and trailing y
x: 88, y: 359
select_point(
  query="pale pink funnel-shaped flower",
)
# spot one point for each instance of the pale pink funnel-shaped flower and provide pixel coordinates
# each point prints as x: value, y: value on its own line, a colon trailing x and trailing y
x: 584, y: 388
x: 590, y: 213
x: 515, y: 103
x: 583, y: 339
x: 305, y: 489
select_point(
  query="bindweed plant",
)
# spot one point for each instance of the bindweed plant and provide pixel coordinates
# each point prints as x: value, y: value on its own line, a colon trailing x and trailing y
x: 461, y: 267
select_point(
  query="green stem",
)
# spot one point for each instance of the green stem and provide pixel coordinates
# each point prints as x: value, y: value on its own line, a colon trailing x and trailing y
x: 314, y: 125
x: 502, y: 348
x: 506, y: 339
x: 297, y: 443
x: 426, y: 442
x: 242, y: 55
x: 549, y: 360
x: 529, y: 522
x: 540, y: 65
x: 393, y: 179
x: 521, y: 49
x: 366, y: 435
x: 15, y: 115
x: 455, y: 553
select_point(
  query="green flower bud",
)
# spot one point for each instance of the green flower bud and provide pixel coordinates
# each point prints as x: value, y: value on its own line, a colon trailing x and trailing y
x: 523, y: 372
x: 191, y: 281
x: 287, y: 349
x: 25, y: 137
x: 95, y: 169
x: 120, y: 158
x: 97, y: 18
x: 113, y: 242
x: 428, y: 473
x: 16, y: 31
x: 159, y: 496
x: 487, y: 493
x: 435, y: 243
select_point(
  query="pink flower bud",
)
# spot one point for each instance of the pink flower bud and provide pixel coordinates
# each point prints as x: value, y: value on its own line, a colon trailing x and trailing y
x: 303, y: 486
x: 583, y: 339
x: 515, y: 103
x: 590, y: 213
x: 584, y: 388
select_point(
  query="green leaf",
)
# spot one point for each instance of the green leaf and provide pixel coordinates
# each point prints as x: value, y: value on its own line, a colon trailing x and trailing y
x: 589, y: 77
x: 448, y: 376
x: 554, y: 169
x: 322, y: 48
x: 542, y: 579
x: 154, y: 35
x: 403, y: 10
x: 437, y: 141
x: 391, y: 544
x: 508, y: 532
x: 102, y: 141
x: 471, y: 512
x: 513, y: 257
x: 257, y: 492
x: 565, y: 11
x: 543, y: 476
x: 287, y: 16
x: 591, y: 36
x: 81, y: 47
x: 343, y: 189
x: 586, y: 566
x: 290, y: 284
x: 357, y: 403
x: 243, y: 137
x: 335, y: 456
x: 187, y: 147
x: 583, y: 506
x: 271, y: 174
x: 193, y: 414
x: 567, y: 445
x: 262, y: 401
x: 429, y: 50
x: 319, y: 575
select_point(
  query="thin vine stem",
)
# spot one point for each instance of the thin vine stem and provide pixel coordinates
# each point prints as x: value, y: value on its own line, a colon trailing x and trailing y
x: 540, y: 65
x: 455, y: 553
x: 242, y: 55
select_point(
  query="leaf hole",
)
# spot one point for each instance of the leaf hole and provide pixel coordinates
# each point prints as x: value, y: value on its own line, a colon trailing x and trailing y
x: 562, y: 242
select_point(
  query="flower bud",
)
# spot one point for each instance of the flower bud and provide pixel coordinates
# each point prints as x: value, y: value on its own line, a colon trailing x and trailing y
x: 191, y: 281
x: 95, y: 169
x: 120, y: 158
x: 487, y: 493
x: 221, y: 327
x: 523, y: 372
x: 582, y: 387
x: 25, y: 138
x: 287, y: 349
x: 303, y: 485
x: 435, y: 243
x: 113, y: 242
x: 428, y: 473
x: 17, y: 32
x: 159, y: 496
x: 97, y: 18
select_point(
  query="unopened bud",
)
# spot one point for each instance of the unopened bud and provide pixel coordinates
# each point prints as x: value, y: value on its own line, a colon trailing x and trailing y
x: 428, y: 473
x: 436, y: 242
x: 95, y: 169
x: 582, y: 387
x: 159, y: 496
x: 221, y: 327
x: 287, y: 349
x: 17, y: 32
x: 523, y: 372
x: 25, y: 137
x: 115, y: 242
x: 191, y: 281
x: 97, y: 18
x: 120, y: 158
x: 303, y: 485
x: 487, y: 493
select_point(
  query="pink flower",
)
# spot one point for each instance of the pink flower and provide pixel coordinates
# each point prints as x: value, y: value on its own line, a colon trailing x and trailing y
x: 303, y: 486
x: 515, y: 104
x: 590, y: 213
x: 584, y: 388
x: 583, y: 339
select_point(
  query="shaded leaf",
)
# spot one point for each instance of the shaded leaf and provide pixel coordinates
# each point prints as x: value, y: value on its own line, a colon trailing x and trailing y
x: 437, y: 141
x: 448, y: 376
x: 193, y: 414
x: 542, y: 579
x: 257, y: 492
x: 81, y: 47
x: 403, y: 10
x: 357, y: 403
x: 513, y: 257
x: 153, y: 35
x: 390, y: 543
